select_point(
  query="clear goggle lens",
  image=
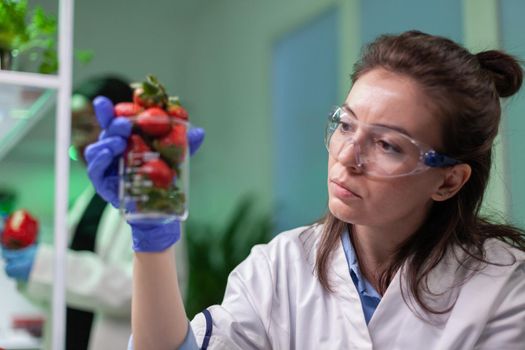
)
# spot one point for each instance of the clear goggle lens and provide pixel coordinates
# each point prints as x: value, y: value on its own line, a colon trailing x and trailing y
x: 379, y: 151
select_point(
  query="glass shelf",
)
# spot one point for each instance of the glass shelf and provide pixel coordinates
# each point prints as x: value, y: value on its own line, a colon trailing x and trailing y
x: 20, y: 108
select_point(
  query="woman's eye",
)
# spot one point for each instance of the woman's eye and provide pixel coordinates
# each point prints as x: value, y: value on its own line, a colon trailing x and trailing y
x: 388, y: 147
x: 345, y: 127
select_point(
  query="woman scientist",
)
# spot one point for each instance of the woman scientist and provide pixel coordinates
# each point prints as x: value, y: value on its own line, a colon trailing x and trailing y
x: 402, y: 260
x: 99, y: 261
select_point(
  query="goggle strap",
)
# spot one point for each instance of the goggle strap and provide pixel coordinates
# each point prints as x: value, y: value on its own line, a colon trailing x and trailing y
x: 436, y: 160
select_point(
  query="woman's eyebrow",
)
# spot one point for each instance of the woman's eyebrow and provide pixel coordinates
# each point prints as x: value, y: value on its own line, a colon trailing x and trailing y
x: 348, y: 109
x: 393, y: 127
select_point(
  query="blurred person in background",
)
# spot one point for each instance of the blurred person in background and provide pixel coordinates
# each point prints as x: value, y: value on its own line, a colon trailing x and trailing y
x: 99, y: 258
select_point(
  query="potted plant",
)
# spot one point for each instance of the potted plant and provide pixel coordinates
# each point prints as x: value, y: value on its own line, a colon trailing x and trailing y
x: 30, y: 34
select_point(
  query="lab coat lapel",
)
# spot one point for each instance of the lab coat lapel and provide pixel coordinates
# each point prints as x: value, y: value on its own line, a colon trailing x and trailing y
x: 395, y: 322
x: 388, y: 321
x: 346, y: 292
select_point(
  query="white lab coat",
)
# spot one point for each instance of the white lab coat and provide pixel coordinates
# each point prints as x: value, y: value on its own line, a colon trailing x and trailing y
x: 274, y: 301
x: 99, y: 281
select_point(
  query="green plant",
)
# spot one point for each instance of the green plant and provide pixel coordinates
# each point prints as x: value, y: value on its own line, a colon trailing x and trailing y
x: 32, y: 34
x: 214, y: 252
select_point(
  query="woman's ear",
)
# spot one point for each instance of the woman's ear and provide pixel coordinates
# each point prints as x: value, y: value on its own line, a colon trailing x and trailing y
x: 455, y: 178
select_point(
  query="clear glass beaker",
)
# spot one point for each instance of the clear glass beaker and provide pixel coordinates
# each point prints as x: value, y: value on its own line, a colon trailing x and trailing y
x: 154, y: 172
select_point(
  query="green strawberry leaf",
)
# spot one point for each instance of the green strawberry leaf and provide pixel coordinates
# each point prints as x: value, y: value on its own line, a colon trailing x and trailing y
x: 149, y: 88
x: 152, y: 79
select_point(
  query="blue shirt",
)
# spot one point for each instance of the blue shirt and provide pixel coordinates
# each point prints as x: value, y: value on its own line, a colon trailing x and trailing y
x: 370, y: 298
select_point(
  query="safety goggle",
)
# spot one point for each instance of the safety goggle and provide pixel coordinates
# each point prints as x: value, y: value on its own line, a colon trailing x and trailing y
x: 378, y: 150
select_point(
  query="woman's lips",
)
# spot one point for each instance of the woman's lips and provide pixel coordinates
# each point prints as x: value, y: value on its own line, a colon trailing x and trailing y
x: 341, y: 191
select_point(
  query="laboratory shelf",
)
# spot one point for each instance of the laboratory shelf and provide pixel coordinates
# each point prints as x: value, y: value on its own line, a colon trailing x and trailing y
x: 20, y: 108
x: 24, y: 98
x: 29, y: 79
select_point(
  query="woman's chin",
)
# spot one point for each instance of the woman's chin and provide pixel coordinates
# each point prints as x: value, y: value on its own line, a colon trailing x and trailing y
x: 343, y: 211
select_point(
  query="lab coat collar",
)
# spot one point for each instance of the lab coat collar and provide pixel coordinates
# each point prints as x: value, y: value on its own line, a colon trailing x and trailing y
x: 342, y: 285
x: 345, y: 290
x: 386, y: 315
x: 364, y: 287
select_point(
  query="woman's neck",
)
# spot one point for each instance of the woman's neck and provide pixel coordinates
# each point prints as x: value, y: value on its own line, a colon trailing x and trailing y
x: 375, y: 247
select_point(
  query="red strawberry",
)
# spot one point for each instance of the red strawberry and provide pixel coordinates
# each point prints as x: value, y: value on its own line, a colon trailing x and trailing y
x: 158, y: 172
x: 135, y: 151
x: 137, y: 144
x: 127, y: 109
x: 154, y: 121
x: 173, y: 146
x: 142, y: 99
x: 150, y: 93
x: 177, y: 111
x: 20, y: 230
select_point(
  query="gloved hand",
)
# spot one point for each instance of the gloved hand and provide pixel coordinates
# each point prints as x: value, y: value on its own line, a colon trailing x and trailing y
x: 102, y: 160
x: 19, y: 262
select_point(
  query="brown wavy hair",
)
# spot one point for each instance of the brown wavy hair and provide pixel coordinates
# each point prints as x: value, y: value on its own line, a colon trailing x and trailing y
x: 465, y: 90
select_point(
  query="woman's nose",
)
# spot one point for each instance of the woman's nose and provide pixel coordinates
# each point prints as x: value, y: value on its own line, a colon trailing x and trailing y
x: 350, y: 155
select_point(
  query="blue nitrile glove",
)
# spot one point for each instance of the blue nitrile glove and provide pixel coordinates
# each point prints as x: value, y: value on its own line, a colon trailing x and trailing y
x: 102, y: 161
x: 19, y: 262
x: 102, y: 156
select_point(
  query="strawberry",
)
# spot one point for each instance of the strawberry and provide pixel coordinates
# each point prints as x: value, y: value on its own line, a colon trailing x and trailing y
x: 173, y: 146
x: 20, y: 230
x: 135, y: 153
x: 127, y: 109
x: 137, y: 99
x: 150, y: 93
x: 154, y: 121
x: 137, y: 144
x: 144, y: 100
x: 158, y: 172
x: 177, y: 111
